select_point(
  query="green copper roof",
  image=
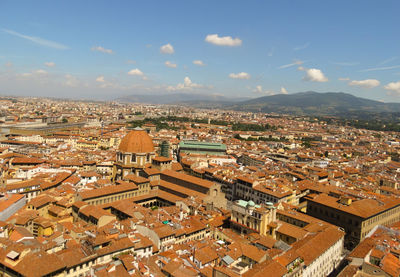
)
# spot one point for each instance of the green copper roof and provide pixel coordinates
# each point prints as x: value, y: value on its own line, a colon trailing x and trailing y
x: 202, y: 145
x: 244, y: 203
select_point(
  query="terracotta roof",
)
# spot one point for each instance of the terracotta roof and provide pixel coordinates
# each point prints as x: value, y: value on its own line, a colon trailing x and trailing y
x: 151, y: 171
x: 162, y: 159
x: 363, y: 208
x: 164, y: 231
x: 39, y: 264
x: 136, y: 179
x: 176, y: 166
x: 363, y: 248
x: 314, y: 246
x: 40, y: 201
x: 107, y: 191
x: 349, y: 271
x: 136, y: 141
x: 168, y: 186
x: 267, y: 268
x: 206, y: 255
x: 9, y: 200
x: 23, y: 160
x: 291, y: 230
x: 187, y: 178
x: 24, y: 184
x: 391, y: 265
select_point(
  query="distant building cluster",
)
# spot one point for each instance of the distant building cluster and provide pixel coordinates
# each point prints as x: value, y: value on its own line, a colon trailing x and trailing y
x: 113, y: 189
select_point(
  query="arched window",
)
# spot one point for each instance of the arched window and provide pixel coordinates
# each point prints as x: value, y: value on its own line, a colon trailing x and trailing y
x: 215, y: 192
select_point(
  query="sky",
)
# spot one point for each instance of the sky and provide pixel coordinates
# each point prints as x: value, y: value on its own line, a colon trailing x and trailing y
x: 108, y: 49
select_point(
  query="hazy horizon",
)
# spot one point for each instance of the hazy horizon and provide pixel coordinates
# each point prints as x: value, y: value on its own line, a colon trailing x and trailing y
x: 105, y: 50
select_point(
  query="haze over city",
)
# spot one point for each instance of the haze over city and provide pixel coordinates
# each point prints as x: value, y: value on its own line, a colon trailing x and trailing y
x: 199, y: 138
x: 104, y: 50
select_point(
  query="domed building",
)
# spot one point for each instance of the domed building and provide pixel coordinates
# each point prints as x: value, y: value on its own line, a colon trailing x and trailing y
x: 134, y: 152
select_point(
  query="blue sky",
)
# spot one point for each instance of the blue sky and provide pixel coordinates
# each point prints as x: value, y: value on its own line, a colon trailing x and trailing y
x: 106, y: 49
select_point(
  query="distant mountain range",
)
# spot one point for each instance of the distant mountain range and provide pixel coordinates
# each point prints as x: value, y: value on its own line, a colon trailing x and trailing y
x: 181, y: 98
x: 314, y: 103
x: 302, y: 103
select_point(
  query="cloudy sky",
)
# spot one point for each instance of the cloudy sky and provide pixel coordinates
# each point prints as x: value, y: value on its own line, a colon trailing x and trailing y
x: 106, y: 49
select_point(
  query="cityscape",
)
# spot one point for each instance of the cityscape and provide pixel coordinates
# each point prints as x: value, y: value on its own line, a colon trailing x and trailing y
x: 135, y: 142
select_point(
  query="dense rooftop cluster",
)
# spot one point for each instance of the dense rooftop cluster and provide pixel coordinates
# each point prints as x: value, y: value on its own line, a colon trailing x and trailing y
x: 111, y: 189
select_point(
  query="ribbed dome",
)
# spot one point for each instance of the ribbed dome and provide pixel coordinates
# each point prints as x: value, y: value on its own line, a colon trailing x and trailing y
x: 137, y: 141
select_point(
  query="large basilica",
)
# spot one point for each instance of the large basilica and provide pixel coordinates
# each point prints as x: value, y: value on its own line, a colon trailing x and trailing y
x: 138, y: 172
x: 134, y: 152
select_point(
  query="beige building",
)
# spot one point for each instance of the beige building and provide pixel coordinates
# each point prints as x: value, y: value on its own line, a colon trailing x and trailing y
x: 357, y: 217
x: 249, y: 189
x: 247, y: 217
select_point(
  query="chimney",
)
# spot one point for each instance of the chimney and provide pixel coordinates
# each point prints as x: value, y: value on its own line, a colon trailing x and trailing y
x: 345, y: 200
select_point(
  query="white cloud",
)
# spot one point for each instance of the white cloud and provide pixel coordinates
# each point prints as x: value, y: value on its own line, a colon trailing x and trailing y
x: 380, y: 68
x: 198, y: 62
x: 223, y: 41
x: 50, y: 64
x: 259, y: 90
x: 102, y: 49
x: 100, y: 79
x: 9, y: 64
x: 301, y: 47
x: 167, y: 49
x: 71, y: 81
x: 186, y: 85
x: 40, y: 72
x: 393, y: 86
x: 170, y: 64
x: 241, y: 75
x: 313, y: 75
x: 105, y: 84
x: 296, y: 62
x: 388, y: 60
x: 130, y: 62
x: 37, y: 73
x: 37, y: 40
x: 135, y: 72
x: 368, y: 83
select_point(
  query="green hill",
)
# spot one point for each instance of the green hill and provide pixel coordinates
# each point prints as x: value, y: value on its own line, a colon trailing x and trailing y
x: 314, y: 103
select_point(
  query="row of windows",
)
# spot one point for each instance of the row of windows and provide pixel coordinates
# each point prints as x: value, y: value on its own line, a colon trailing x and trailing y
x: 130, y: 158
x: 112, y: 199
x: 383, y: 215
x: 291, y: 220
x: 266, y: 197
x: 334, y: 216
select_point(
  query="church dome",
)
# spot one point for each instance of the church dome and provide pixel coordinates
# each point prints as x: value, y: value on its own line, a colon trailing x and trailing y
x: 136, y: 141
